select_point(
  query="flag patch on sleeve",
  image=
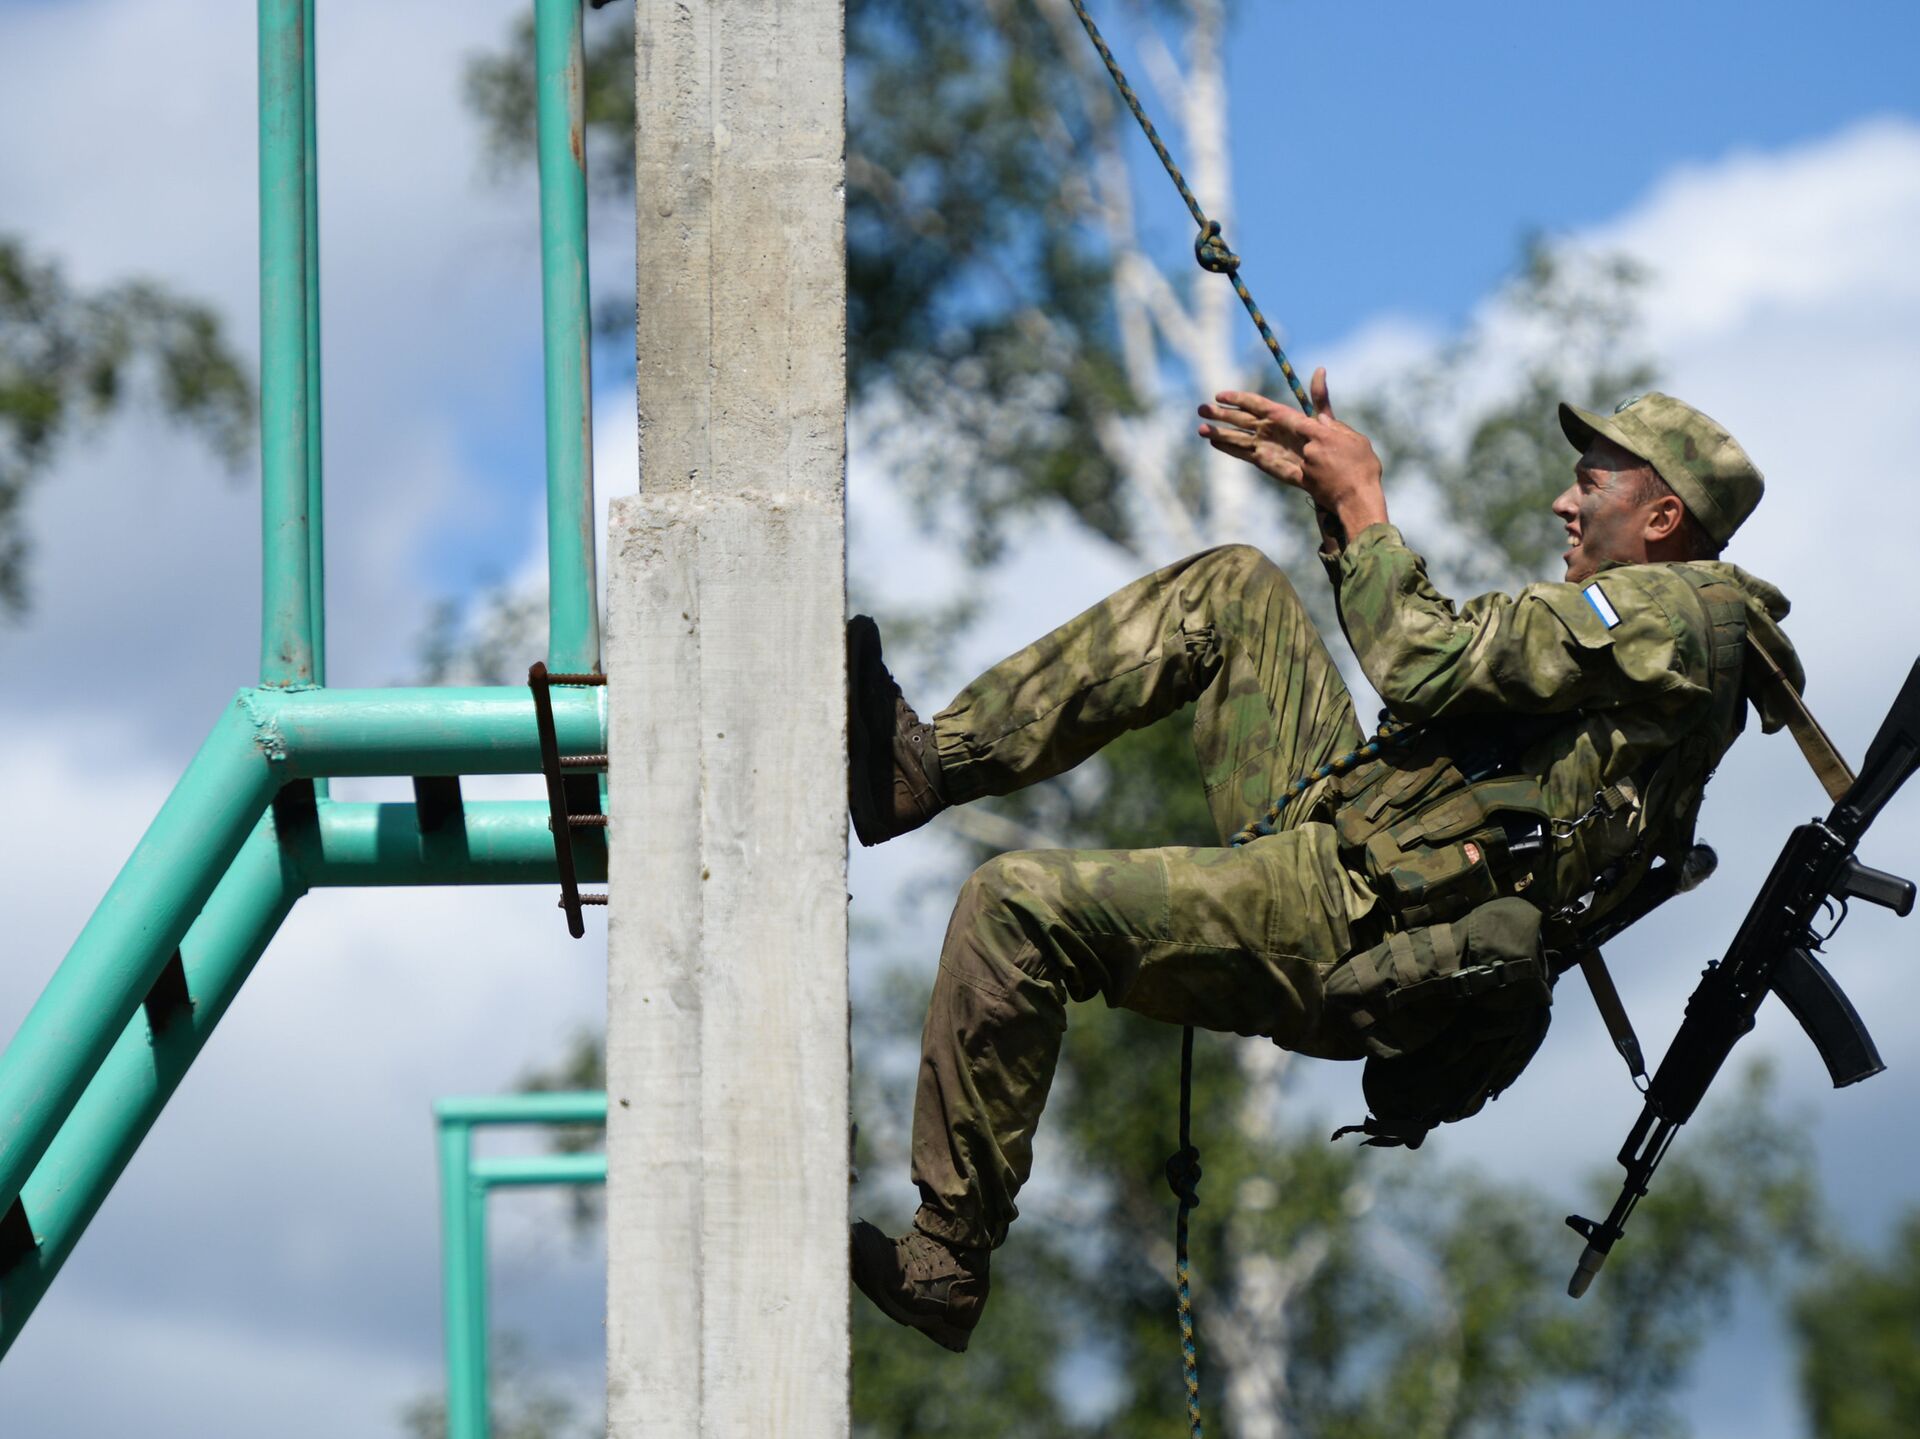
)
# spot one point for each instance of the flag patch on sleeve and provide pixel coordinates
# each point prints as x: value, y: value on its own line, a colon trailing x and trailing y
x: 1602, y: 607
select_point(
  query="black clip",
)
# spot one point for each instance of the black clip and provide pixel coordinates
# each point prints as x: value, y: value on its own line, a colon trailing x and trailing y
x: 573, y: 800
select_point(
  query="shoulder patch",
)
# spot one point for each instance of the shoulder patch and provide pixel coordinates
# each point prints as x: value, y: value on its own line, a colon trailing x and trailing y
x: 1597, y: 597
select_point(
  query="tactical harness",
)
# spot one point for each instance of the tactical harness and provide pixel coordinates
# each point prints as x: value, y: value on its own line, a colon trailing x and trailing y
x: 1452, y: 1005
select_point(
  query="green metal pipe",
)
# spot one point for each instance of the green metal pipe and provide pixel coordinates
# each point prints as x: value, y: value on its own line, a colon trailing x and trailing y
x: 114, y: 962
x: 316, y: 509
x: 559, y: 1106
x: 477, y: 1325
x: 265, y: 738
x: 142, y: 1069
x: 421, y: 731
x: 493, y: 842
x: 573, y: 605
x: 466, y: 1363
x: 464, y: 1184
x: 522, y: 1170
x: 286, y: 617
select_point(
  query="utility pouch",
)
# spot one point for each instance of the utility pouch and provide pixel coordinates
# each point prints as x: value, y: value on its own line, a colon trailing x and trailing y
x: 1400, y: 994
x: 1449, y: 1014
x: 1374, y: 795
x: 1471, y: 847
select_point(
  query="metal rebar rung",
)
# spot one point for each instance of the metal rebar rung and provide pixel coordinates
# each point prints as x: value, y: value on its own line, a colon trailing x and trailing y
x: 583, y: 761
x: 559, y: 817
x: 584, y: 899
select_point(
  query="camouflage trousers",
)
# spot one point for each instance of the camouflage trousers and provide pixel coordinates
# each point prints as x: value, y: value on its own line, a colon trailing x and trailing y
x: 1227, y: 939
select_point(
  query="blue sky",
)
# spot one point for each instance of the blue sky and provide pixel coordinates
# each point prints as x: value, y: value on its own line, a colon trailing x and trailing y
x: 1387, y: 159
x: 1391, y: 155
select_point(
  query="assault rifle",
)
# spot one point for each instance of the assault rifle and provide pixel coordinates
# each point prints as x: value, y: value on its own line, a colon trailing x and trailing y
x: 1773, y: 954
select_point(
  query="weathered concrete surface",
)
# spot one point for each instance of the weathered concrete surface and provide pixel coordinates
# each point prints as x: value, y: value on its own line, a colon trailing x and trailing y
x: 727, y: 1003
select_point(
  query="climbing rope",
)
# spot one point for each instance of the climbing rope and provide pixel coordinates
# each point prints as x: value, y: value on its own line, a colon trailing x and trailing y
x: 1209, y: 247
x: 1384, y: 737
x: 1183, y: 1166
x: 1183, y: 1175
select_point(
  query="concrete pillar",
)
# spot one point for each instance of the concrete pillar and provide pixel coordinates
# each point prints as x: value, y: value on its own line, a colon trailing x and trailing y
x: 727, y: 1148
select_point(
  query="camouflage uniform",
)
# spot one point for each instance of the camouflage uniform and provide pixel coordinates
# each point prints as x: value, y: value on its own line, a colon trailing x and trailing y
x: 1242, y: 940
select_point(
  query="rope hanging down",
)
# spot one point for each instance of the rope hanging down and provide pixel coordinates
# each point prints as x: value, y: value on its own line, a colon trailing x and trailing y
x: 1183, y: 1168
x: 1209, y: 247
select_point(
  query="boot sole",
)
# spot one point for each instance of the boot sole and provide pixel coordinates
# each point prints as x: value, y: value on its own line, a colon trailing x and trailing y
x: 863, y: 652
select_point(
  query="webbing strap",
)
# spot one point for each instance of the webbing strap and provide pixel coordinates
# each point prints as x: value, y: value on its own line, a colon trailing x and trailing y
x: 1827, y: 765
x: 1613, y: 1013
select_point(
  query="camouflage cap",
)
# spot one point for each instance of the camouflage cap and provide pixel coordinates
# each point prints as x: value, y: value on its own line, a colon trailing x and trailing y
x: 1700, y: 461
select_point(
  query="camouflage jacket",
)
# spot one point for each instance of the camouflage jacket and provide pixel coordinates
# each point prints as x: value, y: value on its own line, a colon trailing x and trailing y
x: 1625, y: 658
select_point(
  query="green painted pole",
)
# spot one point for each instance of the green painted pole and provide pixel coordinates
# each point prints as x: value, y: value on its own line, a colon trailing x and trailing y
x: 422, y: 731
x: 464, y: 1185
x: 478, y: 1325
x: 142, y: 1070
x: 552, y: 1106
x: 265, y: 738
x: 466, y: 1369
x: 316, y: 508
x: 114, y: 962
x: 494, y: 842
x: 286, y: 628
x: 525, y: 1170
x: 573, y: 603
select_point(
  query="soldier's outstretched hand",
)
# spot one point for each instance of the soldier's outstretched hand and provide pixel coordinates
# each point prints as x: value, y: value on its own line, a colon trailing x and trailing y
x: 1333, y: 463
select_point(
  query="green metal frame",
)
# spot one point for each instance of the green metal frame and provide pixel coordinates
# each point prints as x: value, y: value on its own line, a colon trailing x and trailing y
x: 465, y: 1183
x: 250, y: 827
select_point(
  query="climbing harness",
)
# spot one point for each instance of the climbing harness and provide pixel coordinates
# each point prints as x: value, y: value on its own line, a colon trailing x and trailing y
x: 1209, y: 246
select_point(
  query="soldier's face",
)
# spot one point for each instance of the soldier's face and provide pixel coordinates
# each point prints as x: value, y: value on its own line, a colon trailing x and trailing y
x: 1605, y: 518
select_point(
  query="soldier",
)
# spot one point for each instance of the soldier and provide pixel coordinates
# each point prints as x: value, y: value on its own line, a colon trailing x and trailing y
x: 1542, y: 749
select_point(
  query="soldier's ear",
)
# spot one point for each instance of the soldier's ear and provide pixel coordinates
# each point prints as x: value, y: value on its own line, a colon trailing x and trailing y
x: 1665, y: 516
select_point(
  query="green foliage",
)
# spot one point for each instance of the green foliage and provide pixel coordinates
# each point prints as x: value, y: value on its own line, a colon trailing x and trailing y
x: 1859, y: 1333
x: 68, y: 358
x: 978, y: 287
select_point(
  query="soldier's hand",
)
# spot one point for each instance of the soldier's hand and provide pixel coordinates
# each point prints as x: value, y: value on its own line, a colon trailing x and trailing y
x: 1331, y: 461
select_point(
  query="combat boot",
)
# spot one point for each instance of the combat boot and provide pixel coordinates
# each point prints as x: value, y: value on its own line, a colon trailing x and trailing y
x: 893, y: 774
x: 922, y: 1283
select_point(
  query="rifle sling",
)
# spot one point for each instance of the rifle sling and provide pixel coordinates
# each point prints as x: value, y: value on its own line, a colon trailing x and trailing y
x: 1613, y: 1013
x: 1822, y: 757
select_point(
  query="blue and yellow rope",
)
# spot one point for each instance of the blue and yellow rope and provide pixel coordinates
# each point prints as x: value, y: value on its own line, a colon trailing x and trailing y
x: 1382, y: 739
x: 1209, y: 247
x: 1183, y: 1175
x: 1183, y: 1169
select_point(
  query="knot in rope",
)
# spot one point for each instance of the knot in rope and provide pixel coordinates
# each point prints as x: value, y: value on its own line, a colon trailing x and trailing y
x: 1183, y: 1176
x: 1210, y: 249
